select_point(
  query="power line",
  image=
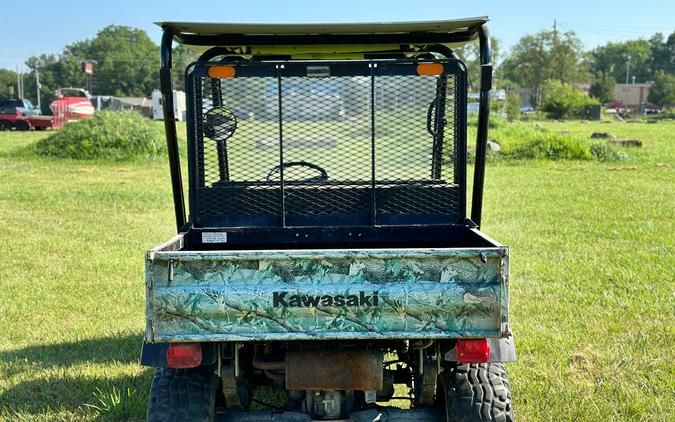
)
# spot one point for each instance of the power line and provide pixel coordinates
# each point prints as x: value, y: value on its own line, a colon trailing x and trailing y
x: 615, y: 26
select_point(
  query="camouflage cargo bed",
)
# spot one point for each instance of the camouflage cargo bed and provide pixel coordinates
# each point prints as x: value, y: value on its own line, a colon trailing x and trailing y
x: 379, y: 293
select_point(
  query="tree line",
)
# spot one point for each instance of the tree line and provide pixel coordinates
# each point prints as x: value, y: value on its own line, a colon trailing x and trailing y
x: 551, y: 55
x: 126, y: 64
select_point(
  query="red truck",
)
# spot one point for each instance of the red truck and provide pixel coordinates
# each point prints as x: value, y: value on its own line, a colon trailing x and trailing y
x: 20, y: 114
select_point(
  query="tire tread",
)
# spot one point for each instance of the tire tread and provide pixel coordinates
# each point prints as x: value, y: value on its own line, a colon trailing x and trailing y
x: 478, y: 393
x: 183, y: 395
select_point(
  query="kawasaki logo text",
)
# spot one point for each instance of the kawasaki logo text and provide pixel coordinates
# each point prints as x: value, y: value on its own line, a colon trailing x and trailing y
x: 283, y: 299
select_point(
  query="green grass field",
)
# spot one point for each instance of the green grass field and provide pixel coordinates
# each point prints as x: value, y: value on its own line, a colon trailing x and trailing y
x: 592, y: 291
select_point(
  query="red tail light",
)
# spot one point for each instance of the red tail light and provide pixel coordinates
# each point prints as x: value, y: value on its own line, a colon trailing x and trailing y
x: 472, y: 350
x: 184, y: 355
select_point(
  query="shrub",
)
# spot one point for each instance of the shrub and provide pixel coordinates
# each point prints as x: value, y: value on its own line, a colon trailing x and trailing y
x: 531, y: 141
x: 512, y: 106
x: 105, y: 136
x: 602, y: 151
x: 562, y: 101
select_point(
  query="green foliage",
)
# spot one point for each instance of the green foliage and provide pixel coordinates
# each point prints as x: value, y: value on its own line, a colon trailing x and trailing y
x: 126, y: 63
x: 611, y: 59
x: 543, y: 56
x: 182, y: 57
x: 602, y: 151
x: 549, y: 145
x: 520, y: 141
x: 512, y: 106
x: 662, y: 53
x: 556, y: 146
x: 55, y: 72
x: 470, y: 55
x: 114, y: 404
x: 561, y: 101
x: 105, y: 136
x: 645, y: 58
x: 7, y: 79
x: 667, y: 113
x: 602, y: 87
x: 662, y: 93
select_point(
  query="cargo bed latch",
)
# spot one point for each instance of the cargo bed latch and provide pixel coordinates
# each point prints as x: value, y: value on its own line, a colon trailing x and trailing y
x: 170, y: 271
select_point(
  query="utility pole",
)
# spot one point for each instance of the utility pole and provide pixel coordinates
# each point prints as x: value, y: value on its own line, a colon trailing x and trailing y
x: 19, y: 92
x: 37, y: 87
x: 627, y: 68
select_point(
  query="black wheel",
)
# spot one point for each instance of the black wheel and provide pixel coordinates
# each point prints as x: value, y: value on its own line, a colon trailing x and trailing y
x: 22, y: 125
x: 476, y: 393
x: 5, y: 125
x: 183, y: 395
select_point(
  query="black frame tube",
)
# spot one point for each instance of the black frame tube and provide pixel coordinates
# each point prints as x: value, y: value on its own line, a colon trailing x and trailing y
x: 483, y: 120
x: 166, y: 88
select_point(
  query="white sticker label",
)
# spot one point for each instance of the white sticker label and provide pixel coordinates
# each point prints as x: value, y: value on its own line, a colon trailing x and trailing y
x: 214, y: 237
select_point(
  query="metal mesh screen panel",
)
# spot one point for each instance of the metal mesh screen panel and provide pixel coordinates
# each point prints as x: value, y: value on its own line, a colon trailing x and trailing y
x: 232, y: 171
x: 415, y: 145
x: 326, y: 122
x: 296, y: 150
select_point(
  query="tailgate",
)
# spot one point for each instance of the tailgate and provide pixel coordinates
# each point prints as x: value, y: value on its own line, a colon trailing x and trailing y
x: 326, y: 294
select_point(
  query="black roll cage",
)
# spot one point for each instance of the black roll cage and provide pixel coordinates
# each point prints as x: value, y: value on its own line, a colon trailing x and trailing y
x: 432, y: 43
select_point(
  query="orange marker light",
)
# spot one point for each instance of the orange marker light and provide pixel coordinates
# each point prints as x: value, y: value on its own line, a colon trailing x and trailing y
x: 430, y: 69
x: 222, y: 71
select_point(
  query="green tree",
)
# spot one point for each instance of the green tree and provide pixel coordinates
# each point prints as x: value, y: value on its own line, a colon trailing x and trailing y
x: 182, y: 56
x: 547, y: 55
x: 602, y: 87
x: 561, y: 101
x: 126, y: 61
x: 662, y: 93
x: 470, y: 55
x: 55, y: 72
x: 613, y: 58
x: 7, y: 79
x: 662, y: 53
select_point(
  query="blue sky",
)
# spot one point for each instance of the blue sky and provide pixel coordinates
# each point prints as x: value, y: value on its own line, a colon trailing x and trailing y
x: 58, y: 23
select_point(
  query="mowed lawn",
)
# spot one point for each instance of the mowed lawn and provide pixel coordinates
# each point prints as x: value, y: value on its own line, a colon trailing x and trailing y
x: 592, y: 287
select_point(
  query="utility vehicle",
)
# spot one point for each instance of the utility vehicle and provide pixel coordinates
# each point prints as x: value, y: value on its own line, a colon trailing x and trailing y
x: 328, y: 269
x: 21, y: 114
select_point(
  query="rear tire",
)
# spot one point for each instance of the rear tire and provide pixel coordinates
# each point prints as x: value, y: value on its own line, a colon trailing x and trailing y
x: 476, y: 393
x: 22, y: 125
x: 183, y: 395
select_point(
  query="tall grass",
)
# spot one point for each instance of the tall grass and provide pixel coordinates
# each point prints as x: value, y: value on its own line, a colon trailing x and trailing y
x: 519, y: 140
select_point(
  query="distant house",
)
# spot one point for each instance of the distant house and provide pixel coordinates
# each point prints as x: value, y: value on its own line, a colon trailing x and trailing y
x: 108, y: 102
x: 631, y: 95
x: 140, y: 104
